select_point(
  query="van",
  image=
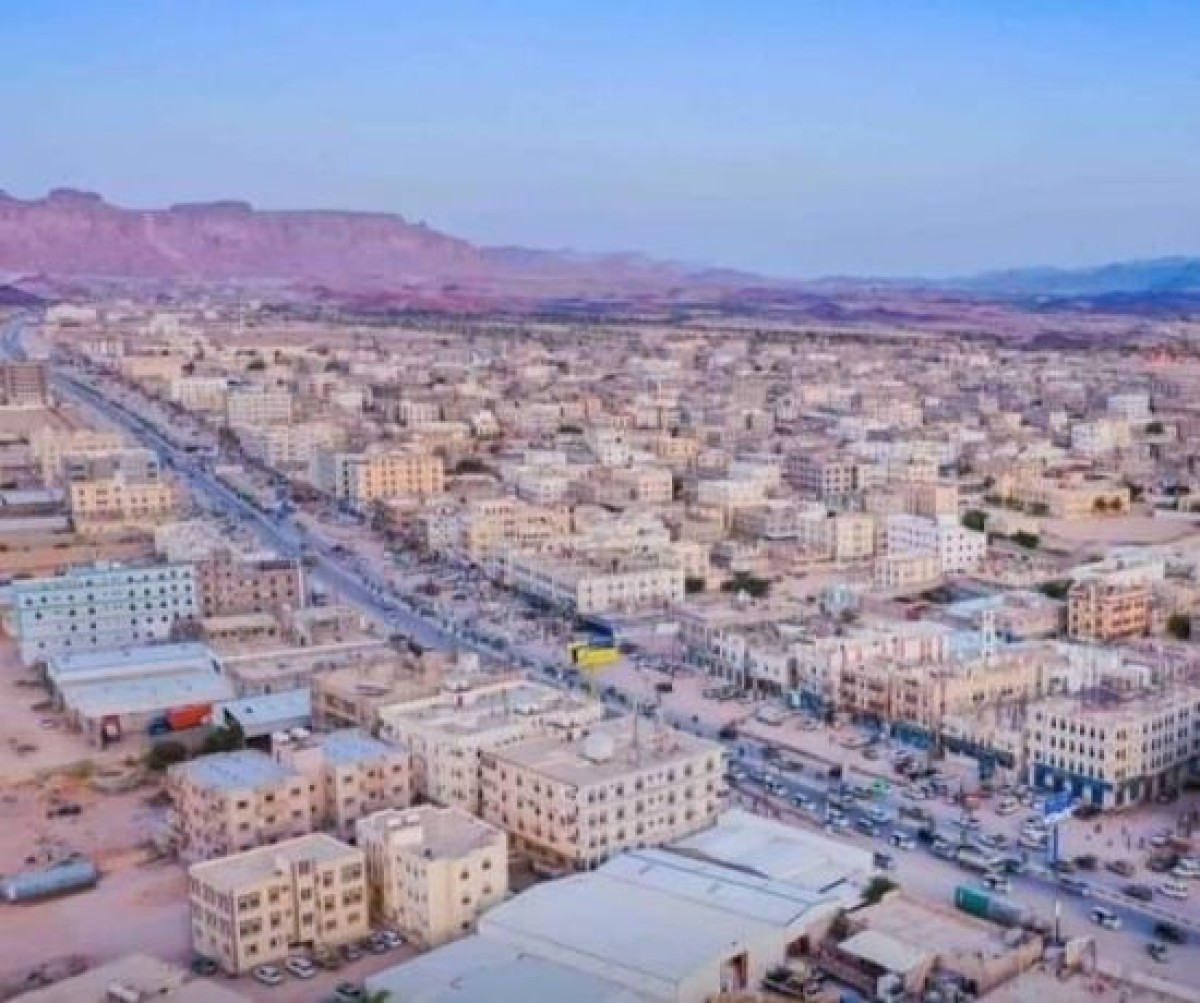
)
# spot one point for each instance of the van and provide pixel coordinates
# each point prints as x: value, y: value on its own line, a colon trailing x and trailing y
x: 1106, y: 918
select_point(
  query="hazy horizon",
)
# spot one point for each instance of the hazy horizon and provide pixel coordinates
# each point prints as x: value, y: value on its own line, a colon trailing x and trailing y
x: 780, y: 137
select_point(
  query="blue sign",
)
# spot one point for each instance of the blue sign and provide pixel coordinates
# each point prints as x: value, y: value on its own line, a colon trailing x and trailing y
x: 1059, y: 806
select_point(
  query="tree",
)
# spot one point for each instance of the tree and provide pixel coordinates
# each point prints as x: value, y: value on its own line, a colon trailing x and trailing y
x: 692, y: 584
x: 377, y: 996
x: 1029, y: 541
x: 877, y: 888
x: 1179, y: 626
x: 165, y: 754
x: 224, y: 739
x: 1100, y: 504
x: 1057, y: 589
x: 974, y: 519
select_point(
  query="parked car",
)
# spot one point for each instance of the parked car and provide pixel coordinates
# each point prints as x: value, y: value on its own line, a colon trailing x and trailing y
x: 1105, y: 918
x: 1124, y: 868
x: 348, y: 992
x: 1158, y: 952
x: 1174, y: 890
x: 351, y: 952
x: 268, y: 975
x: 300, y: 967
x: 1169, y: 932
x: 1143, y: 893
x: 203, y: 966
x: 390, y: 937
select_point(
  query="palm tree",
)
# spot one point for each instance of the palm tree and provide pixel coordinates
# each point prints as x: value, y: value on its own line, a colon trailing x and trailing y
x: 377, y: 996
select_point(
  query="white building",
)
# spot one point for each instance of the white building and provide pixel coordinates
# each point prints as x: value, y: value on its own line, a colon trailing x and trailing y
x: 101, y: 608
x: 957, y: 548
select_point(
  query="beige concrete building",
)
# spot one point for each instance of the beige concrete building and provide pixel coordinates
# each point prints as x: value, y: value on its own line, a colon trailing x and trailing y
x: 50, y: 445
x: 433, y: 871
x: 363, y: 478
x: 351, y: 775
x: 626, y: 784
x: 255, y: 406
x: 1114, y: 750
x: 481, y: 527
x: 235, y: 801
x: 1099, y: 610
x: 446, y: 734
x: 112, y: 504
x: 291, y: 446
x: 591, y: 584
x: 256, y: 907
x: 902, y: 572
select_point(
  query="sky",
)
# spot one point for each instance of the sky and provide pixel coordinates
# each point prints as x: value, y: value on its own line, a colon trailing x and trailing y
x: 791, y: 137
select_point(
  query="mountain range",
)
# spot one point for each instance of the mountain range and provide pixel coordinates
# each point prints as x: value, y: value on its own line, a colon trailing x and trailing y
x: 76, y: 241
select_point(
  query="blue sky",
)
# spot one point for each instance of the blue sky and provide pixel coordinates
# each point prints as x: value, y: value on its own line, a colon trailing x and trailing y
x: 792, y: 137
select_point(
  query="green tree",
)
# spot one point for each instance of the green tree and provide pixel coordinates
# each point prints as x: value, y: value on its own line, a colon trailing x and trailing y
x: 1179, y: 626
x: 1057, y: 589
x: 164, y: 754
x: 225, y: 739
x: 1030, y: 541
x: 974, y: 519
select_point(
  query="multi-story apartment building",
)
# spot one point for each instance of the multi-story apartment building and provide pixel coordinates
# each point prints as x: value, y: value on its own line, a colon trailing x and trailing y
x: 119, y: 501
x: 447, y: 733
x: 433, y: 871
x: 23, y: 385
x: 957, y: 548
x: 1104, y: 610
x: 482, y: 527
x: 587, y: 584
x: 50, y: 445
x: 258, y: 906
x: 200, y: 393
x: 829, y: 478
x: 1102, y: 435
x: 230, y: 584
x: 362, y: 478
x: 291, y: 446
x: 1114, y: 750
x: 102, y: 607
x: 351, y: 775
x: 931, y: 500
x: 901, y: 572
x: 255, y: 406
x: 234, y: 801
x: 625, y: 785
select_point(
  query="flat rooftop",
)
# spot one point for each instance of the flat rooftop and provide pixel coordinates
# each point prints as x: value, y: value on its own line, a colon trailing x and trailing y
x: 245, y: 769
x: 350, y: 745
x: 482, y: 970
x: 444, y: 833
x: 611, y: 749
x: 252, y: 866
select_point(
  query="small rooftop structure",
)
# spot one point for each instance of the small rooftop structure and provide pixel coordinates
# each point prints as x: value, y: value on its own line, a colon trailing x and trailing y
x: 268, y: 713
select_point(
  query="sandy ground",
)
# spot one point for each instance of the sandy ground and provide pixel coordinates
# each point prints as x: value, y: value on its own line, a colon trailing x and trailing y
x: 1131, y: 529
x: 34, y: 739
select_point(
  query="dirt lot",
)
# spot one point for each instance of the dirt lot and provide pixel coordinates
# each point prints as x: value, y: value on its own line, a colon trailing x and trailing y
x: 33, y: 739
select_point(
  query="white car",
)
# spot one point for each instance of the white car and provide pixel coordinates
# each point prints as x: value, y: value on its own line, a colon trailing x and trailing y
x: 302, y: 968
x: 268, y: 975
x: 1174, y: 889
